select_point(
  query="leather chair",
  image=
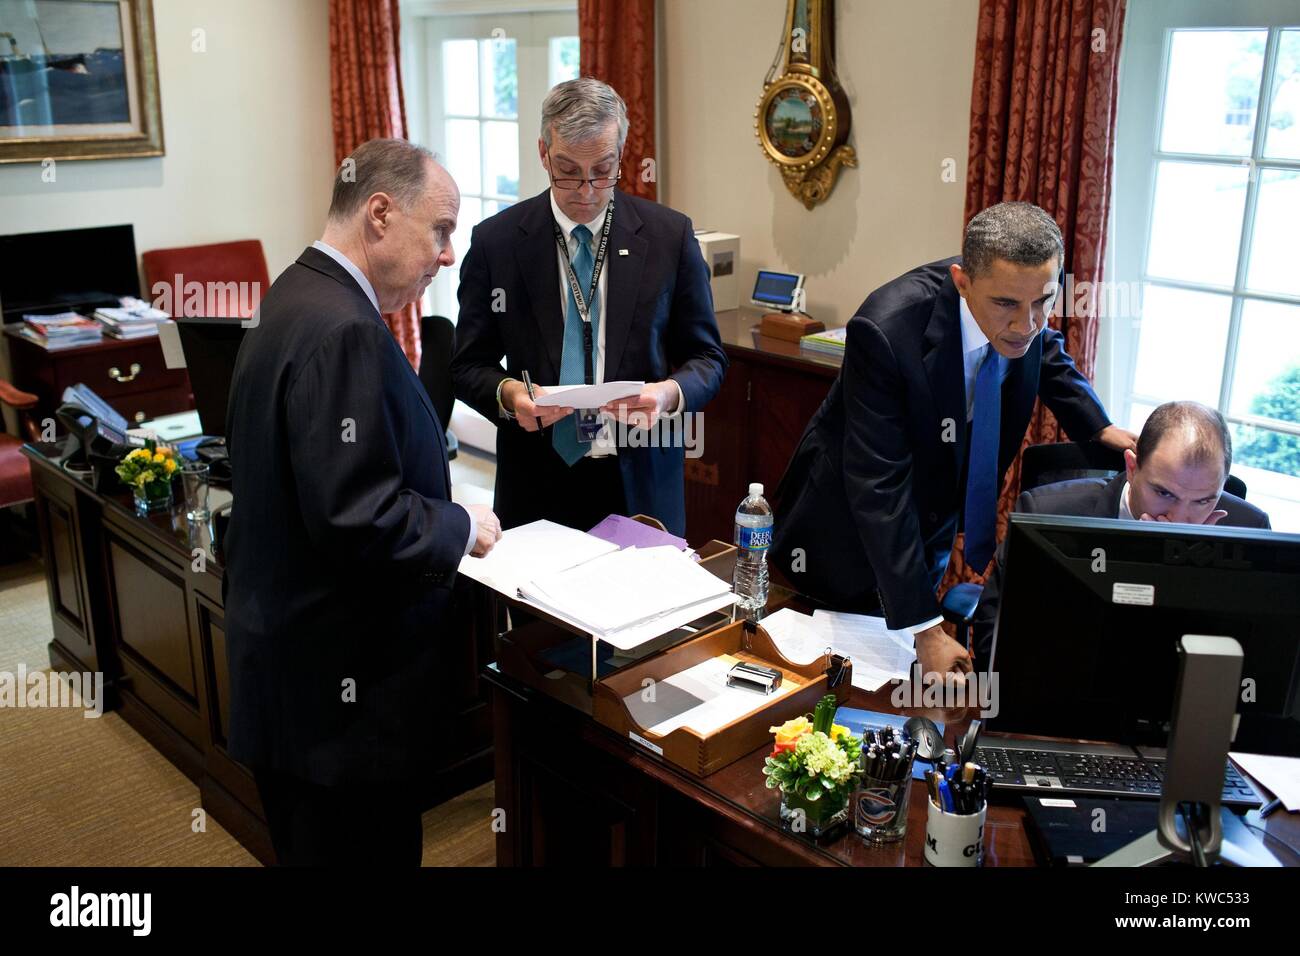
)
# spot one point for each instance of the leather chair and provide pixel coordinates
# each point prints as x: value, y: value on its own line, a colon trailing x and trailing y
x: 223, y: 262
x: 15, y: 470
x: 437, y: 345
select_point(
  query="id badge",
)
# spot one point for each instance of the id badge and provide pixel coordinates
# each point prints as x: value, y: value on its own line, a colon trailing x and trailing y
x: 589, y: 424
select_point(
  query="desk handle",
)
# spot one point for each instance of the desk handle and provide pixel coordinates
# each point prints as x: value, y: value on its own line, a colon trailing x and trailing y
x: 116, y: 375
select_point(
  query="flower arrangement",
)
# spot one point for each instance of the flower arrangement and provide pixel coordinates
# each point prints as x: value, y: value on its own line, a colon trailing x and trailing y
x: 815, y: 765
x: 148, y: 471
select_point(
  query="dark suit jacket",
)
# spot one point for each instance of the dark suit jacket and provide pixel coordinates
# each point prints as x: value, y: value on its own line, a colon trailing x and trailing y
x: 659, y: 320
x: 1079, y: 498
x: 873, y: 493
x: 343, y: 543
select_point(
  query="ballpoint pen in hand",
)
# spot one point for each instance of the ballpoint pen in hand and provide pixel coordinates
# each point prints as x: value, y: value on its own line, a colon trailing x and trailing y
x: 528, y: 384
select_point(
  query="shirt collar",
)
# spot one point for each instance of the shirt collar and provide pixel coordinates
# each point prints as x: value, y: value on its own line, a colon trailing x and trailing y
x: 972, y: 336
x: 352, y: 270
x: 567, y: 225
x: 1125, y: 511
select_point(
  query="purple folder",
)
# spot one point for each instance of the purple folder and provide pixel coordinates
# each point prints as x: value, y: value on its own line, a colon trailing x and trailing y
x: 625, y: 532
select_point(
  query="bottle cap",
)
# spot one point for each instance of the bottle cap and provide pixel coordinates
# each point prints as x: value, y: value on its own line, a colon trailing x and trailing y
x: 755, y: 488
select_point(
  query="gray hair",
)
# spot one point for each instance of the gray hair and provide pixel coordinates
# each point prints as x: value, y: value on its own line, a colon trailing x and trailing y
x: 393, y: 166
x: 1204, y: 433
x: 580, y: 110
x: 1018, y: 232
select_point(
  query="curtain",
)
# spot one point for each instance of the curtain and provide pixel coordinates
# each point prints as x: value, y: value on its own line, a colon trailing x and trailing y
x: 617, y: 44
x: 1042, y: 130
x: 367, y: 103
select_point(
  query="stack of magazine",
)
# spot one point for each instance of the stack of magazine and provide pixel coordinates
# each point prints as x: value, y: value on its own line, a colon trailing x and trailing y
x: 830, y: 342
x: 134, y: 320
x: 67, y: 330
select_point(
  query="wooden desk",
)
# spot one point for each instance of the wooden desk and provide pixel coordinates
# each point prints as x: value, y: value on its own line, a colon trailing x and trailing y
x: 575, y: 793
x: 128, y: 599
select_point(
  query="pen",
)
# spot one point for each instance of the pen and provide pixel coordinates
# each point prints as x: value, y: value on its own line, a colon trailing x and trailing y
x: 528, y: 384
x: 1269, y: 807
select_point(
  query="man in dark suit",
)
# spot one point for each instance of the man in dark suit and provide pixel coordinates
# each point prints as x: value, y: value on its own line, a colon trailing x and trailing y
x: 1176, y: 474
x: 343, y: 541
x: 526, y: 293
x: 941, y: 369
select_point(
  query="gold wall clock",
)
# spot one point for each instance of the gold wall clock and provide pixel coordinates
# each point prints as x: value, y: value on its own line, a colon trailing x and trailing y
x: 803, y: 120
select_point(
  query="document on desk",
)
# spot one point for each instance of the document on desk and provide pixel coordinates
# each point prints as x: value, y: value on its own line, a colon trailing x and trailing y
x: 522, y: 553
x: 699, y: 698
x: 1279, y: 775
x: 879, y: 654
x: 587, y: 396
x: 796, y: 635
x: 629, y: 595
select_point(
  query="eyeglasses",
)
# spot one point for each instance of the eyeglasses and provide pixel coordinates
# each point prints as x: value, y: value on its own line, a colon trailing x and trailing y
x: 599, y: 182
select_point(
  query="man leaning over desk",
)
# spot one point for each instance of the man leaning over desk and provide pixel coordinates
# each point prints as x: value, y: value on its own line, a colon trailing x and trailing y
x: 524, y: 285
x: 1176, y: 474
x: 941, y: 370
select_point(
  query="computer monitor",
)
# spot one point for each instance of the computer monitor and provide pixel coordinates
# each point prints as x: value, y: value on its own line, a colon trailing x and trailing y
x: 210, y: 347
x: 1091, y: 611
x: 71, y: 269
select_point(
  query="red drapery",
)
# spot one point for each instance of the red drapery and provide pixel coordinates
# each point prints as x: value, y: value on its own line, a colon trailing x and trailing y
x: 617, y: 39
x: 367, y: 103
x: 1042, y: 130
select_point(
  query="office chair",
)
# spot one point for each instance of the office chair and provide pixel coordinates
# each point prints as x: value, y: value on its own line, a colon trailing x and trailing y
x: 437, y: 344
x: 242, y: 262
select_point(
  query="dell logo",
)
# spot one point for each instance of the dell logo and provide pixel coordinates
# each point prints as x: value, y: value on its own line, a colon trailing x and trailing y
x: 1207, y: 554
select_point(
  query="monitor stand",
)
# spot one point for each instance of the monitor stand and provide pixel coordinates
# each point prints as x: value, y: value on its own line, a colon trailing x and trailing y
x: 1205, y: 705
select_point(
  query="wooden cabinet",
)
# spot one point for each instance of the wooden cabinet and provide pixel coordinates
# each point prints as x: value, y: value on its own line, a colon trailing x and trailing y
x: 753, y: 425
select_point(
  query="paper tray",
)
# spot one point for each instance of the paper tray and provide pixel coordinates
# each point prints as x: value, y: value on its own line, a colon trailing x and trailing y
x: 702, y: 754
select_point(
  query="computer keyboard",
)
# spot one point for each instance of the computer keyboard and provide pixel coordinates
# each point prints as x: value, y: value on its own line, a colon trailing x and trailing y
x: 1083, y: 771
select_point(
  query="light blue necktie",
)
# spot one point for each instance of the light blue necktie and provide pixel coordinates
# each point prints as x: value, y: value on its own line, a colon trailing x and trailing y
x: 564, y: 434
x: 981, y: 515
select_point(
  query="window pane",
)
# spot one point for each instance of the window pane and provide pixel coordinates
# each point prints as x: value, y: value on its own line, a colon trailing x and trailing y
x: 1266, y: 449
x: 463, y: 156
x: 1138, y: 414
x: 501, y: 159
x: 1283, y: 138
x: 1212, y: 91
x: 460, y: 77
x: 564, y: 59
x: 1267, y: 377
x: 500, y: 78
x: 1273, y: 266
x: 1181, y: 345
x: 1196, y: 224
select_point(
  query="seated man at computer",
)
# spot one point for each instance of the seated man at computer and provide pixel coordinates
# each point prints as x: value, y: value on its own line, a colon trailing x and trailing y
x: 1176, y: 474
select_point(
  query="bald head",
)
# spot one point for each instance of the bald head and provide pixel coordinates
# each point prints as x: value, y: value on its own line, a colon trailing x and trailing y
x: 393, y: 212
x: 1182, y: 460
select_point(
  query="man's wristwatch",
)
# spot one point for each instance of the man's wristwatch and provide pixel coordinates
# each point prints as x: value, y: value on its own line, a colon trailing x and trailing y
x: 505, y: 412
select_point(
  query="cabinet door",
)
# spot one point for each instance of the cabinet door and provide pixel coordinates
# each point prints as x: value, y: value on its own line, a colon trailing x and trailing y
x: 62, y: 547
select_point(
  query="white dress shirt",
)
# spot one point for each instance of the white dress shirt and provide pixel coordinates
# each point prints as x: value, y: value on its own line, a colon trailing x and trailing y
x: 975, y: 349
x: 369, y: 290
x: 1125, y: 509
x: 606, y: 442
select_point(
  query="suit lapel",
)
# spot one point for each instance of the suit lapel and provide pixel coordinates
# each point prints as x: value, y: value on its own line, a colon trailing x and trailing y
x: 1108, y: 501
x: 624, y: 280
x: 535, y: 256
x: 943, y: 368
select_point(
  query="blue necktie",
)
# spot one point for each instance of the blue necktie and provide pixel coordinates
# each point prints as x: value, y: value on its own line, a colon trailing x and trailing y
x: 564, y: 434
x: 981, y: 516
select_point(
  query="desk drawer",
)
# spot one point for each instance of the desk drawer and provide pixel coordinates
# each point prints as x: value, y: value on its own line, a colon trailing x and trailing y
x: 142, y: 406
x: 121, y: 371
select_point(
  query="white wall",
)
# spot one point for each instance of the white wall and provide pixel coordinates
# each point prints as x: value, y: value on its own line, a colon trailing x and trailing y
x: 906, y: 68
x: 248, y: 133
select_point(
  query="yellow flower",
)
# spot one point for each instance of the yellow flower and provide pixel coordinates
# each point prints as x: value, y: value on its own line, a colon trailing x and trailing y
x: 838, y: 731
x: 159, y: 457
x: 169, y: 465
x: 792, y: 729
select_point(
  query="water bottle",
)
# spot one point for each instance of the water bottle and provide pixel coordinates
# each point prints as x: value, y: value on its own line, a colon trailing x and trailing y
x: 753, y: 538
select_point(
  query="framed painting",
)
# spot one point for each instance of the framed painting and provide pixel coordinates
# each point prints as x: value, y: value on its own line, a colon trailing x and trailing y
x: 78, y: 80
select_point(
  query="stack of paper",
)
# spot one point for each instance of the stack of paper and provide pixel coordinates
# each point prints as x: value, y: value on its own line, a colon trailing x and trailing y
x: 66, y: 330
x: 879, y: 655
x: 587, y: 396
x: 525, y: 552
x: 135, y: 319
x: 699, y: 698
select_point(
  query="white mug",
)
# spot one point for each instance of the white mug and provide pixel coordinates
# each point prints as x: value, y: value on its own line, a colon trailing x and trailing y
x: 954, y: 839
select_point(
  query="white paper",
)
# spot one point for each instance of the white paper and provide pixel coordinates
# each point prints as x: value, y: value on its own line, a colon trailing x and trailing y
x: 1278, y: 775
x: 699, y: 698
x: 523, y: 553
x: 879, y: 654
x: 587, y: 396
x: 796, y: 635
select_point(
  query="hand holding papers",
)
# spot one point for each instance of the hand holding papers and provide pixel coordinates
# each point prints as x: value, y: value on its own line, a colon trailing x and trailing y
x: 587, y: 396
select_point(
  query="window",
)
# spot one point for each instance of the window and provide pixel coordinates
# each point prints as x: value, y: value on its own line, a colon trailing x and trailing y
x: 474, y: 88
x: 1206, y: 207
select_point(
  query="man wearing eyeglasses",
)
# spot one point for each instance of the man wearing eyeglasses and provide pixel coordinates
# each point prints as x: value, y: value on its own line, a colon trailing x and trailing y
x: 585, y: 284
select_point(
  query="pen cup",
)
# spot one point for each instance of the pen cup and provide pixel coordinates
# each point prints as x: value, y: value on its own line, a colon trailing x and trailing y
x: 880, y: 808
x: 954, y: 839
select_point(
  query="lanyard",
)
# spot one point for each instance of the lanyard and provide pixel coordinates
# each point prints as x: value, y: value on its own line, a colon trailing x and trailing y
x: 584, y: 302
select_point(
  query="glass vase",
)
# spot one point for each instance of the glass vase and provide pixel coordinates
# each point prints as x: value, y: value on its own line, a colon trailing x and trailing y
x: 814, y: 817
x: 154, y: 497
